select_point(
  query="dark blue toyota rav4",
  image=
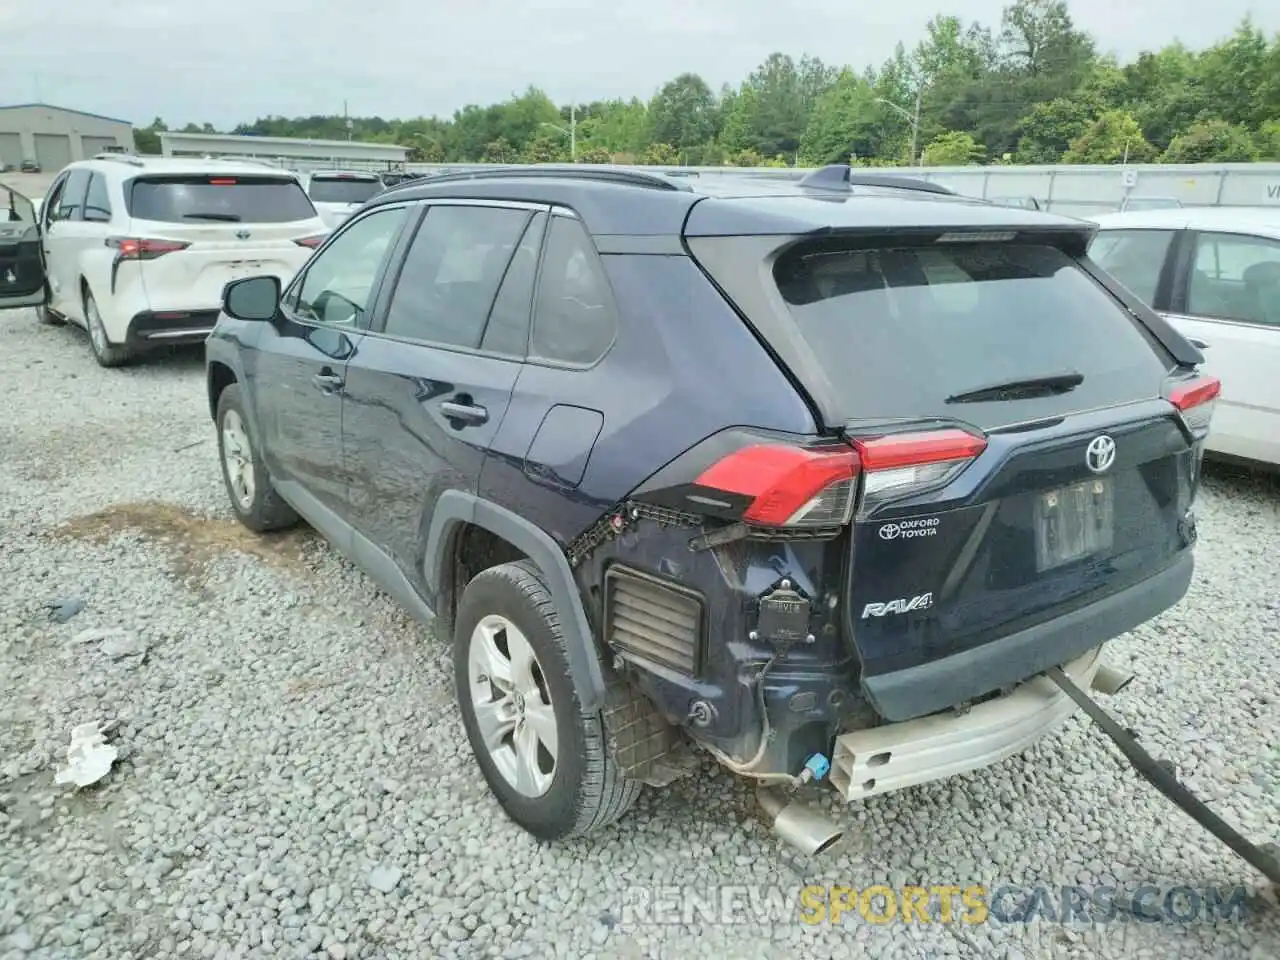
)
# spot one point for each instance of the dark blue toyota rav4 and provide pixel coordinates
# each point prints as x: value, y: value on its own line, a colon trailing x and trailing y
x: 818, y: 476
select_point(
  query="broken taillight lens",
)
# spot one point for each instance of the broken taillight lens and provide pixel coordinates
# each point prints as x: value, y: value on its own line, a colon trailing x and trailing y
x: 790, y: 486
x: 904, y: 464
x: 1195, y: 400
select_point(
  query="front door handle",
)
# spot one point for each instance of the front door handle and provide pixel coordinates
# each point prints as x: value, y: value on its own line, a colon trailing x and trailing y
x: 327, y: 382
x: 466, y: 412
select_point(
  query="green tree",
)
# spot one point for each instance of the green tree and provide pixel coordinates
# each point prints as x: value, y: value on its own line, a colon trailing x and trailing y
x: 684, y: 112
x: 1114, y: 137
x: 844, y: 121
x: 741, y: 114
x: 545, y: 149
x: 499, y: 151
x: 1050, y: 128
x: 660, y: 155
x: 1268, y: 140
x: 595, y: 155
x: 1213, y: 141
x: 954, y: 149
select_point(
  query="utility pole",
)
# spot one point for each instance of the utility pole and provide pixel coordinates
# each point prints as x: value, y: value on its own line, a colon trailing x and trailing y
x: 915, y: 127
x: 573, y: 132
x: 346, y: 120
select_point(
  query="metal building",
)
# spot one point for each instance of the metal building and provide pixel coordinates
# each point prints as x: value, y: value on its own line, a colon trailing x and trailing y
x: 55, y: 136
x: 294, y: 153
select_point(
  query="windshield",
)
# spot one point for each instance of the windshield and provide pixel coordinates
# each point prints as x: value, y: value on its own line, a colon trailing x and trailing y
x: 219, y: 199
x: 899, y: 331
x: 343, y: 189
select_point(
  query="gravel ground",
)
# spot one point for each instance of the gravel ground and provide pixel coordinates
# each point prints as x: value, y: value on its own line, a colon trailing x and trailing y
x: 294, y: 781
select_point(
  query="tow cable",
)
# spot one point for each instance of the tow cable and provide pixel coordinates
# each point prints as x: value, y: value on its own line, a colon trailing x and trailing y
x: 1160, y: 774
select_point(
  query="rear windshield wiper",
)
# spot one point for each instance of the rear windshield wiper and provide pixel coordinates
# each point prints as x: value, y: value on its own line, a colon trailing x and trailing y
x: 225, y: 217
x: 1047, y: 386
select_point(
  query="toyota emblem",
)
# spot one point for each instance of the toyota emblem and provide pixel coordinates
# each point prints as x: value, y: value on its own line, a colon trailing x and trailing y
x: 889, y: 530
x: 1100, y: 454
x: 242, y: 234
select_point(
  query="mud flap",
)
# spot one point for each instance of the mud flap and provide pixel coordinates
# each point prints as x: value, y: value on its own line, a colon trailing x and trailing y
x: 1160, y: 775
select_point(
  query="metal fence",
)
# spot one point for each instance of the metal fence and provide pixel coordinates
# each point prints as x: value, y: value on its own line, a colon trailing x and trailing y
x: 1072, y: 190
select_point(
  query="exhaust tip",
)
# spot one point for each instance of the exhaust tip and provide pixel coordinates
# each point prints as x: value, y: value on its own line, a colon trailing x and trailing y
x: 1111, y: 681
x: 803, y: 828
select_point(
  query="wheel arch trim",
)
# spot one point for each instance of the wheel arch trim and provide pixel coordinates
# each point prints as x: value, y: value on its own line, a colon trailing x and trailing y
x: 456, y: 507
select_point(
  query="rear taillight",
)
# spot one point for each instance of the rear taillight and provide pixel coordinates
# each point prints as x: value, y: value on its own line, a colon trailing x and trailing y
x: 143, y: 248
x: 787, y: 486
x: 903, y: 464
x: 1195, y: 401
x: 311, y: 242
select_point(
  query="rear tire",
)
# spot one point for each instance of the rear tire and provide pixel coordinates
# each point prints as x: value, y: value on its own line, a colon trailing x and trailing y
x: 104, y: 351
x: 253, y: 498
x: 47, y: 317
x: 511, y: 667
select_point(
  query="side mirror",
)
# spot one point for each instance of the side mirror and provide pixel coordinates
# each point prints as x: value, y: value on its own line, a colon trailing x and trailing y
x: 253, y: 298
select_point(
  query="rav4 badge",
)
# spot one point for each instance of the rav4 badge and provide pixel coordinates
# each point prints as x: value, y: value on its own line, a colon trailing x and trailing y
x: 922, y: 602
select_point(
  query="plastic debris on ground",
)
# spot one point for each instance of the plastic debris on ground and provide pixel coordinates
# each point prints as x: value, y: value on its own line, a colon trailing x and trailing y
x: 89, y: 757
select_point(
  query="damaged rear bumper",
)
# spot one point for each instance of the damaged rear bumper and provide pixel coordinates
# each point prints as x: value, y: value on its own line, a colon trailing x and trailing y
x: 897, y: 755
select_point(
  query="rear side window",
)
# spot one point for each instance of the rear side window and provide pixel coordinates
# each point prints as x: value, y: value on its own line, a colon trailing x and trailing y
x: 71, y: 202
x: 343, y: 189
x: 1134, y: 257
x: 97, y: 203
x: 574, y: 320
x: 898, y: 331
x: 213, y: 198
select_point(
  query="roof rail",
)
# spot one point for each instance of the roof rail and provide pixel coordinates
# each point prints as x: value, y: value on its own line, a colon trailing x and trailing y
x: 599, y: 174
x: 840, y: 176
x: 129, y: 158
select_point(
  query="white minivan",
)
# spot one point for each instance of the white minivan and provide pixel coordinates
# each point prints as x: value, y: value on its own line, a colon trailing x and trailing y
x: 138, y: 250
x: 338, y: 194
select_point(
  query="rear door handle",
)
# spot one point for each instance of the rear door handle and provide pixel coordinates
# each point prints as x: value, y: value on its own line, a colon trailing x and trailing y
x: 327, y: 382
x: 466, y: 412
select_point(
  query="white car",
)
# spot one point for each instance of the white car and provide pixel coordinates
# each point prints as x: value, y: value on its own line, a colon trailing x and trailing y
x: 137, y: 250
x: 338, y: 194
x: 1214, y: 273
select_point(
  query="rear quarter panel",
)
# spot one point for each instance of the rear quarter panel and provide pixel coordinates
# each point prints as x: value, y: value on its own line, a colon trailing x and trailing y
x: 683, y: 366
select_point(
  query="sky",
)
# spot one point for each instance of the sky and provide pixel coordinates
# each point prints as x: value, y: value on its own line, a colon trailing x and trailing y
x: 236, y: 60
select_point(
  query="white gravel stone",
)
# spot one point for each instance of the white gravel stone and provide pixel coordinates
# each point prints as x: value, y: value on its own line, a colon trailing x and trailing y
x: 290, y: 734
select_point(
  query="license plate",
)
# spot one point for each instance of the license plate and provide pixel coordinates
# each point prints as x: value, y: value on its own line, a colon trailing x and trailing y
x: 1074, y: 522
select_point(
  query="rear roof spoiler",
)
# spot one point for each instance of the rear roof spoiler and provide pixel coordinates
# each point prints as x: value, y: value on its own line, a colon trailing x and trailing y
x: 840, y: 176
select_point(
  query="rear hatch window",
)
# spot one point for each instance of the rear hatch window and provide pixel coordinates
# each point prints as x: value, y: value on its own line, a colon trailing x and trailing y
x: 210, y: 198
x: 912, y: 331
x: 343, y: 189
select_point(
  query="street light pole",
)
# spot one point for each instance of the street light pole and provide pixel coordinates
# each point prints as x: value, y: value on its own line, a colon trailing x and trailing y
x: 571, y: 133
x: 912, y: 118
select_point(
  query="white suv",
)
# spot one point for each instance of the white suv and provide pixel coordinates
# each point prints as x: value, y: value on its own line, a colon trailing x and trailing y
x: 137, y: 250
x: 339, y: 194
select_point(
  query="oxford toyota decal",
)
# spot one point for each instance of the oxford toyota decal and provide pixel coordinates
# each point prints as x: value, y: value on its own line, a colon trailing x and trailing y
x: 909, y: 529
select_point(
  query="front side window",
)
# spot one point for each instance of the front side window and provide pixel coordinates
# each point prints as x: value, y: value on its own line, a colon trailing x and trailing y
x: 338, y: 285
x: 1235, y: 277
x: 1134, y: 257
x: 452, y: 272
x: 574, y: 317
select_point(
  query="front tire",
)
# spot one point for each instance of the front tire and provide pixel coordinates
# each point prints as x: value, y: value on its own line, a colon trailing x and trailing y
x: 544, y: 758
x: 253, y: 498
x: 104, y: 351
